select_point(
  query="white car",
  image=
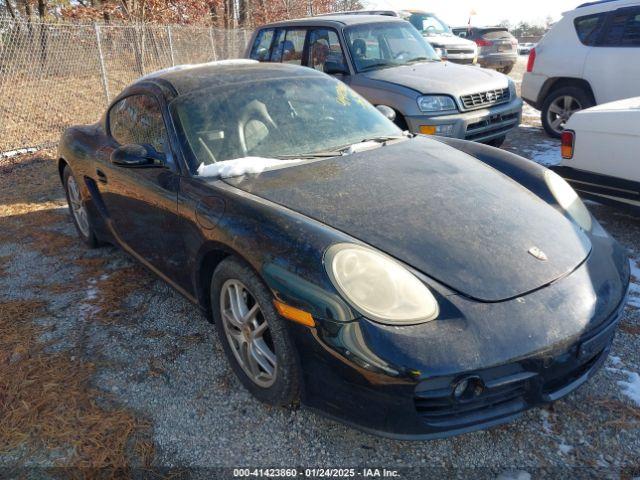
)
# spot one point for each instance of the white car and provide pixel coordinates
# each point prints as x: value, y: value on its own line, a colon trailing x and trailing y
x: 448, y: 45
x: 600, y: 148
x: 525, y: 48
x: 591, y: 56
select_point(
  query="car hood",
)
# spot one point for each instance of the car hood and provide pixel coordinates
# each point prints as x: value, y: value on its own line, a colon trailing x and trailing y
x: 436, y: 209
x: 449, y: 41
x: 441, y: 77
x: 621, y: 117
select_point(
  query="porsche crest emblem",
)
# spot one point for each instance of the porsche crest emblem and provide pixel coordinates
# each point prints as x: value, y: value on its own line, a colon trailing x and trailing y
x: 539, y: 254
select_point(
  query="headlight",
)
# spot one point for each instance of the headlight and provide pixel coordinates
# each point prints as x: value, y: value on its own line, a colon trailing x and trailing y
x: 436, y: 103
x: 379, y: 287
x: 568, y: 199
x: 441, y: 51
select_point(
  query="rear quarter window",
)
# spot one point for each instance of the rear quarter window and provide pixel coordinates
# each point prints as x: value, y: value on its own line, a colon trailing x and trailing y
x: 623, y: 30
x: 262, y: 45
x: 588, y: 28
x: 496, y: 34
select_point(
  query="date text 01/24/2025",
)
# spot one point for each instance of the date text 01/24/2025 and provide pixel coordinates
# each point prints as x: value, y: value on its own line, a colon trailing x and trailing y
x: 314, y: 473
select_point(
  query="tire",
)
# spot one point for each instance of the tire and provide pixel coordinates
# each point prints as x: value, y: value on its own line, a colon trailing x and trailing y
x: 557, y: 101
x: 400, y: 122
x: 507, y: 70
x: 497, y: 142
x: 231, y: 276
x: 78, y: 210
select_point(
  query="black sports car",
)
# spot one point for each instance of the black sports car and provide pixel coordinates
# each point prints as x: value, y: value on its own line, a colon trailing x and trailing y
x: 414, y: 287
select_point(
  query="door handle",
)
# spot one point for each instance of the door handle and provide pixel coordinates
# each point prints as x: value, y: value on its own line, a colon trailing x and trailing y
x: 102, y: 178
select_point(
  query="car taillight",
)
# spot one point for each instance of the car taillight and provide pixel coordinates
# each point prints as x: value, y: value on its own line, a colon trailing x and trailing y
x: 532, y: 60
x: 567, y: 139
x: 483, y: 43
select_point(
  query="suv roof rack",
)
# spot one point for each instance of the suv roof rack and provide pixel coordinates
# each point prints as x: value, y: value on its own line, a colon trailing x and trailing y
x: 388, y: 13
x: 598, y: 2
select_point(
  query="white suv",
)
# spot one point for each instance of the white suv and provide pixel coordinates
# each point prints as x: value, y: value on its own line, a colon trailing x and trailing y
x: 591, y: 56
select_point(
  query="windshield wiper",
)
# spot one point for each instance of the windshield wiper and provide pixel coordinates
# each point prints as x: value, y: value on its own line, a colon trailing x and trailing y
x: 302, y: 156
x: 338, y: 151
x: 377, y: 65
x: 420, y: 59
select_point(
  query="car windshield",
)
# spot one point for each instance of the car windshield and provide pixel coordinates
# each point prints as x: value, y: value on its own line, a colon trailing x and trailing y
x: 382, y: 45
x: 428, y: 24
x: 281, y: 118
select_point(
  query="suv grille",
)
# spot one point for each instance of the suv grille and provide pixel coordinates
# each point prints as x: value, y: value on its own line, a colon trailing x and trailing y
x: 482, y: 99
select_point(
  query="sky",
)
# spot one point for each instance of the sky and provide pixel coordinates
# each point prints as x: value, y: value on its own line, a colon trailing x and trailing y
x: 489, y: 12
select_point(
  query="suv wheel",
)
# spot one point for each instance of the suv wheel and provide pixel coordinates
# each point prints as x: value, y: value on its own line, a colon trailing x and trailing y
x: 506, y: 70
x: 560, y: 105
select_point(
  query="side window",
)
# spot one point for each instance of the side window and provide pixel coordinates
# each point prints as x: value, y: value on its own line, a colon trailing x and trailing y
x: 623, y: 30
x: 324, y: 46
x: 588, y: 28
x: 138, y: 119
x: 262, y: 44
x: 289, y: 45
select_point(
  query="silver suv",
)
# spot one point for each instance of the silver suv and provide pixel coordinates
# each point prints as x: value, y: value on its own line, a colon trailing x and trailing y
x: 388, y: 62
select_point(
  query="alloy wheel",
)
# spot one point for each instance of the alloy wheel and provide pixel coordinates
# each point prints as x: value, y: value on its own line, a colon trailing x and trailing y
x: 78, y: 209
x: 561, y: 110
x: 248, y: 333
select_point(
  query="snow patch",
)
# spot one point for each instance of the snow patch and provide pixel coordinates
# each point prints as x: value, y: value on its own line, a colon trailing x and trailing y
x: 514, y: 475
x: 631, y: 388
x: 546, y: 426
x: 634, y: 286
x: 19, y: 151
x: 546, y: 152
x: 615, y: 361
x: 564, y: 448
x: 241, y: 166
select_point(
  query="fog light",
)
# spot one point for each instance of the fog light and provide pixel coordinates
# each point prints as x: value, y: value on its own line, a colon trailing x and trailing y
x: 461, y: 388
x: 443, y: 130
x: 468, y: 388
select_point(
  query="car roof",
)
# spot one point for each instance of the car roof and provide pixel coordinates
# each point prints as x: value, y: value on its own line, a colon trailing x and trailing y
x: 189, y: 78
x: 335, y: 20
x: 600, y: 6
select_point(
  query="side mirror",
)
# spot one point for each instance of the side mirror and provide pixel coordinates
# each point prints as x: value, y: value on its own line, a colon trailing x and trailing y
x: 136, y: 156
x: 388, y: 112
x: 335, y: 68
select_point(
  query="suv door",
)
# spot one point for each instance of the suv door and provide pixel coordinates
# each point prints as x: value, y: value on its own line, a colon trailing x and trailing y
x: 141, y: 203
x: 282, y: 45
x: 324, y: 51
x: 613, y: 64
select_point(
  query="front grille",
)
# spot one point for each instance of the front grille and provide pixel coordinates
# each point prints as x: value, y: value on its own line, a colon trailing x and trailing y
x: 459, y: 51
x: 446, y: 412
x: 492, y: 125
x: 483, y: 99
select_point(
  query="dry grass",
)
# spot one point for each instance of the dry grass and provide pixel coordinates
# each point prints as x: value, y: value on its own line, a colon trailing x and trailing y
x: 625, y: 416
x: 46, y: 401
x: 630, y: 329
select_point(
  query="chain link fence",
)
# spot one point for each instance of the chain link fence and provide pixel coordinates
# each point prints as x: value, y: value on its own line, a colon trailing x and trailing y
x: 54, y: 75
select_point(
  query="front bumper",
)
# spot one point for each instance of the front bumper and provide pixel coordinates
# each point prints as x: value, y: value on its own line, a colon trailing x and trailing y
x: 525, y: 352
x: 465, y: 58
x: 477, y: 125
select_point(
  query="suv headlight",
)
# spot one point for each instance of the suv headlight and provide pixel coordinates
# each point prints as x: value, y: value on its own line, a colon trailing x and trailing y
x: 436, y: 103
x: 568, y: 199
x: 378, y: 286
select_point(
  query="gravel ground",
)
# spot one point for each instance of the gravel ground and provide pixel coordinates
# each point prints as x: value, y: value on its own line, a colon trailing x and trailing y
x: 157, y: 356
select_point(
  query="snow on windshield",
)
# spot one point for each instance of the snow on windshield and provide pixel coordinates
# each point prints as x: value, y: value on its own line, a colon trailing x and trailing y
x: 242, y: 166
